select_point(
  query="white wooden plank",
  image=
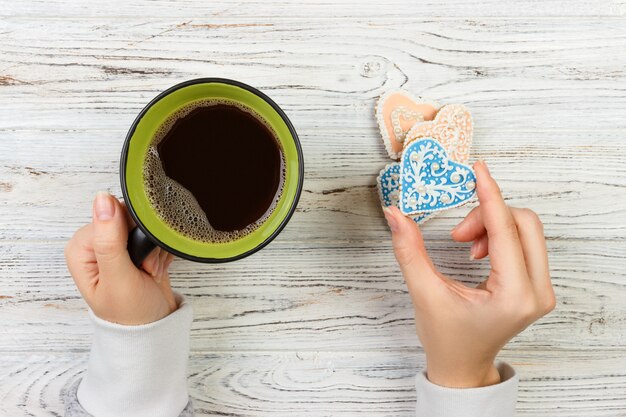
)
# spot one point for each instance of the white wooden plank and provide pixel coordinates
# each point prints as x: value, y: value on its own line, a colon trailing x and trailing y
x: 48, y: 180
x: 319, y: 322
x: 514, y: 74
x: 555, y: 383
x: 303, y: 297
x: 255, y: 9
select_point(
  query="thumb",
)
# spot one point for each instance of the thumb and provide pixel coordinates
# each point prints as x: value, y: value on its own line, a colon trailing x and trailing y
x: 110, y: 237
x: 408, y: 246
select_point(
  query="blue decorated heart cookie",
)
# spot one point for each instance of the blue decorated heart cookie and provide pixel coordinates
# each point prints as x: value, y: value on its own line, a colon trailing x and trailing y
x: 430, y: 181
x: 389, y: 190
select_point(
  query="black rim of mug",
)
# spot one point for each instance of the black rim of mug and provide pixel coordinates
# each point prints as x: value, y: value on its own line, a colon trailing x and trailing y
x: 124, y: 159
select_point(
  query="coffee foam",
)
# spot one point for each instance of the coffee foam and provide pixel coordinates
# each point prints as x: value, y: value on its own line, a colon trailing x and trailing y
x: 176, y: 205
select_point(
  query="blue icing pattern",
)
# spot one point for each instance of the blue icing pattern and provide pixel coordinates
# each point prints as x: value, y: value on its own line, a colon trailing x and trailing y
x: 429, y: 181
x: 389, y: 180
x: 389, y: 189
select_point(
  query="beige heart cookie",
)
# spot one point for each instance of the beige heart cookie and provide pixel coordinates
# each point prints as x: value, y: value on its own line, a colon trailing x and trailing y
x: 396, y: 112
x: 452, y: 127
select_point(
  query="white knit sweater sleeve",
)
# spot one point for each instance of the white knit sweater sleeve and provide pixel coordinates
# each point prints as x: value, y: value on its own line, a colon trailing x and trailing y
x: 136, y: 370
x: 491, y: 401
x: 142, y: 371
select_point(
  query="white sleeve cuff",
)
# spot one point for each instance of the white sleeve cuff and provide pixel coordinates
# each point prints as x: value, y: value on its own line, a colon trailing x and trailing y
x: 491, y: 401
x: 138, y: 370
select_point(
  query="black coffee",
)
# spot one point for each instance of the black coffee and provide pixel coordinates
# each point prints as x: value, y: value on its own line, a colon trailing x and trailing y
x: 221, y: 171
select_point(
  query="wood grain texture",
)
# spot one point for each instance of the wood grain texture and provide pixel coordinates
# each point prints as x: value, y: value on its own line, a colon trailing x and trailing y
x: 307, y: 296
x: 319, y: 323
x: 513, y: 74
x: 548, y: 171
x: 257, y: 9
x: 292, y: 383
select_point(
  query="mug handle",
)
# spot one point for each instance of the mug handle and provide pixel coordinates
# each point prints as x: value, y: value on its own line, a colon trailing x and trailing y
x: 139, y: 246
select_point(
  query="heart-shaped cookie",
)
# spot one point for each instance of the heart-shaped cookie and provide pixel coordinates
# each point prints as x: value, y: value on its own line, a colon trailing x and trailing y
x: 452, y: 127
x: 430, y: 181
x: 389, y: 190
x: 396, y: 113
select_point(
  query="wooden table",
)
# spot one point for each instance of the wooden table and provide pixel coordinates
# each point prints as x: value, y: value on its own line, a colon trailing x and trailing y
x: 319, y: 323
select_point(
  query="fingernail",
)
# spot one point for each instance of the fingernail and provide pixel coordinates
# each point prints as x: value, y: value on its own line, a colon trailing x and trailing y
x: 455, y: 229
x: 472, y: 252
x: 391, y: 220
x: 484, y: 164
x: 104, y: 207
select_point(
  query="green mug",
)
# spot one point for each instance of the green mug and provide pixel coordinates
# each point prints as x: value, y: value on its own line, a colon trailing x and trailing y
x: 152, y: 230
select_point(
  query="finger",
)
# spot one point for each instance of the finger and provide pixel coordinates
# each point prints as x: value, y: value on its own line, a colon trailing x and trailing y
x: 81, y: 260
x: 470, y: 228
x: 168, y: 260
x: 151, y: 263
x: 110, y: 238
x: 163, y: 257
x: 162, y: 269
x: 165, y: 280
x: 505, y: 251
x: 410, y: 252
x: 533, y: 242
x: 480, y: 247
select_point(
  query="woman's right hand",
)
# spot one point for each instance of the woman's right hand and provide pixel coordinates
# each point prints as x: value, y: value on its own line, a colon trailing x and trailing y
x: 461, y: 328
x: 114, y: 288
